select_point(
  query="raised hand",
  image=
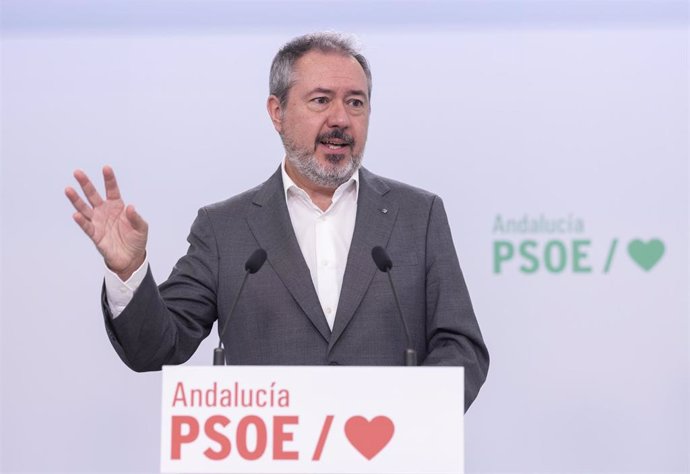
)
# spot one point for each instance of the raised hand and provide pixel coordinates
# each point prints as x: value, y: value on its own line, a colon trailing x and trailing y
x: 116, y: 229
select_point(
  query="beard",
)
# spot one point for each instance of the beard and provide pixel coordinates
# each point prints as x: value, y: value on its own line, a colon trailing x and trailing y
x: 337, y: 169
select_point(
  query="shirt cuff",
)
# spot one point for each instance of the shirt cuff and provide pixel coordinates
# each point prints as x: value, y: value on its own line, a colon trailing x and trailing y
x: 119, y: 293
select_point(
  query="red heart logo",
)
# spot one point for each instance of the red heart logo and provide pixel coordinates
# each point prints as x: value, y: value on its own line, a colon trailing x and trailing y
x: 369, y: 437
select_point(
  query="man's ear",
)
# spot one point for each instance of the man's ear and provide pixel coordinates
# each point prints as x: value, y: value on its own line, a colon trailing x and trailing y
x: 275, y: 111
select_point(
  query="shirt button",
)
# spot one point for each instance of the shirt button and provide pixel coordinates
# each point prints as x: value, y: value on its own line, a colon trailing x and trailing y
x: 325, y: 263
x: 329, y: 310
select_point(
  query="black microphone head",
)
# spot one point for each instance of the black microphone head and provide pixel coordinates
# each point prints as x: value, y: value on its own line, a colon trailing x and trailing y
x: 255, y: 261
x: 381, y: 259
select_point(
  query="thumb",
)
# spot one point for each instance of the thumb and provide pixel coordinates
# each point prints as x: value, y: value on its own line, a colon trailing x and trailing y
x: 135, y: 220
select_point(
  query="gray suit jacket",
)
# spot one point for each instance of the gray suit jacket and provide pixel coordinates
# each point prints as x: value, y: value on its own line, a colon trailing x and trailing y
x: 279, y: 320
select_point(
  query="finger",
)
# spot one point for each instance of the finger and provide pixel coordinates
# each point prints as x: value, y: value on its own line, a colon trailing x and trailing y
x: 84, y: 223
x: 89, y: 190
x: 78, y: 203
x: 136, y: 221
x: 112, y: 191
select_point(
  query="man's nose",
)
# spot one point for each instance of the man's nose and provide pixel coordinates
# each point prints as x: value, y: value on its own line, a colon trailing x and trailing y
x: 338, y: 115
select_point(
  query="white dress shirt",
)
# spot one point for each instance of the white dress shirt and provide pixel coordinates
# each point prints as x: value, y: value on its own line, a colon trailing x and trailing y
x: 324, y: 237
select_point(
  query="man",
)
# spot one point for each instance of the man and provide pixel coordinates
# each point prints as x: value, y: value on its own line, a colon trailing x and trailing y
x: 319, y: 298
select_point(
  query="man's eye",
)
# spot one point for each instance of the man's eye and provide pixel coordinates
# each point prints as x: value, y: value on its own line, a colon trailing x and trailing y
x: 320, y: 100
x: 357, y: 103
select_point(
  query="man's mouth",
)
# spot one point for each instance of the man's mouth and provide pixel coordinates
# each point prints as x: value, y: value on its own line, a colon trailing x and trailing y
x: 334, y: 144
x: 335, y: 140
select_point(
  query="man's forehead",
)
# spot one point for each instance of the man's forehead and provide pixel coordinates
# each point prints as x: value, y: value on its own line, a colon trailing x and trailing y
x: 317, y: 66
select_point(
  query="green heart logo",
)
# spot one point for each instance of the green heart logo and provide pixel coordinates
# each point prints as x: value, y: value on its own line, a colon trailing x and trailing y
x: 647, y: 254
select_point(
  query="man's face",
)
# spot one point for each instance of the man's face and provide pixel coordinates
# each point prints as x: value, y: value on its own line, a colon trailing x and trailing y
x: 325, y: 121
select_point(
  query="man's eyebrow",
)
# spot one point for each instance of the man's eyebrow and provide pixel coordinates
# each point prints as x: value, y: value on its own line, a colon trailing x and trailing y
x: 320, y: 90
x: 323, y: 90
x: 357, y: 92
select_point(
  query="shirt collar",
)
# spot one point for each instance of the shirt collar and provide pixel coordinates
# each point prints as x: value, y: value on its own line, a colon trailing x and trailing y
x: 289, y: 184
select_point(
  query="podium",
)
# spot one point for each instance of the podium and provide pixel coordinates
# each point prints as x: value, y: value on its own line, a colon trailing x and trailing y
x: 287, y: 419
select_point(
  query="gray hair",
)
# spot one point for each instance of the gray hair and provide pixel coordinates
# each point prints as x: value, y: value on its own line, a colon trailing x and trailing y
x: 280, y: 79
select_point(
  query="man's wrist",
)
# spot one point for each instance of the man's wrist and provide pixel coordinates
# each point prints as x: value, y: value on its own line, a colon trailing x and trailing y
x: 118, y: 292
x: 126, y: 273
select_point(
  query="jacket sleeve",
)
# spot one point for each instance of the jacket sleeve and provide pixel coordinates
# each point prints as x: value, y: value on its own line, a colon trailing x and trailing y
x: 164, y: 325
x: 453, y: 334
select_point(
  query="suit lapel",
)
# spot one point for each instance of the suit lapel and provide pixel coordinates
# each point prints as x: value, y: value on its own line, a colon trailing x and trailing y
x: 270, y: 223
x: 374, y: 223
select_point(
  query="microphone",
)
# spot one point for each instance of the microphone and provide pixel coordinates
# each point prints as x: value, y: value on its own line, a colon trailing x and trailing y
x: 384, y: 263
x: 253, y: 265
x: 255, y: 261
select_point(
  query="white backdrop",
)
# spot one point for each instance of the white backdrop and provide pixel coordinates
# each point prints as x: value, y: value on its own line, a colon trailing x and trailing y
x: 539, y: 129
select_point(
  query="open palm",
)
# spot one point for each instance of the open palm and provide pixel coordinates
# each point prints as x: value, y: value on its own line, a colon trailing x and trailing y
x: 116, y: 229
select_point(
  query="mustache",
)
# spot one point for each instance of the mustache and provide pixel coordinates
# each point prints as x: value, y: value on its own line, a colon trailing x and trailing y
x: 337, y: 133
